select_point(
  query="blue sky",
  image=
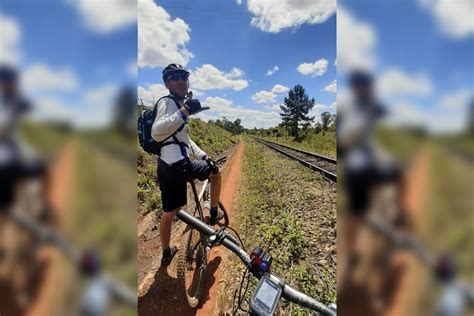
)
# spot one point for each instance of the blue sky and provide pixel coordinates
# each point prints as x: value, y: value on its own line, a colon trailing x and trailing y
x: 421, y: 52
x: 74, y: 59
x: 220, y: 37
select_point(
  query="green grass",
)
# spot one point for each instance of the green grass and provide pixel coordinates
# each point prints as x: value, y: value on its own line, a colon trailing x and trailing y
x: 450, y: 227
x: 290, y: 211
x: 44, y: 138
x: 101, y: 211
x: 318, y: 143
x: 447, y: 225
x: 400, y: 143
x: 103, y: 217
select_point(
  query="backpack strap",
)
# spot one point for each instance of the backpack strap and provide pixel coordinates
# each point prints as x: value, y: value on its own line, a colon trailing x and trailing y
x: 182, y: 146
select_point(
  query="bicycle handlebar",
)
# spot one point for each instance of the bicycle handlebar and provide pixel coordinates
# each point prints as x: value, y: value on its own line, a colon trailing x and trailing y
x: 288, y: 292
x: 401, y: 240
x: 49, y: 236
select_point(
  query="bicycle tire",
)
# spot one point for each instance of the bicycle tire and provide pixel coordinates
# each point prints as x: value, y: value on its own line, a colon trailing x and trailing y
x: 226, y: 215
x: 190, y: 262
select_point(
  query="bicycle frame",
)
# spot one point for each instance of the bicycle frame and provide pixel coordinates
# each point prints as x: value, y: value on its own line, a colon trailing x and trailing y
x: 227, y: 241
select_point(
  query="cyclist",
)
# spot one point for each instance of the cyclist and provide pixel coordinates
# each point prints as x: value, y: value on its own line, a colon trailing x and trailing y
x: 359, y: 155
x: 18, y: 164
x: 175, y: 167
x: 17, y: 161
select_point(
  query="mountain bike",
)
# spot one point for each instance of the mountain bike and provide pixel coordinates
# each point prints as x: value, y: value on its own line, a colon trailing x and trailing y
x: 101, y: 287
x: 455, y: 295
x: 193, y: 259
x: 20, y: 266
x: 267, y: 294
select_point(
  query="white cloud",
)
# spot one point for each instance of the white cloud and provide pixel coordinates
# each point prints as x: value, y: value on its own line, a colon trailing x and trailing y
x: 208, y: 77
x: 332, y: 87
x: 132, y: 68
x: 252, y: 118
x: 51, y: 109
x: 455, y: 17
x: 333, y: 105
x: 264, y: 97
x: 152, y: 93
x: 320, y: 108
x: 96, y: 108
x: 197, y: 93
x: 395, y: 82
x: 435, y: 119
x: 10, y: 35
x: 355, y: 42
x: 280, y: 89
x: 217, y: 103
x: 107, y: 15
x: 103, y: 94
x: 318, y: 68
x: 236, y: 73
x: 93, y: 109
x: 456, y: 99
x: 41, y: 77
x: 273, y: 70
x: 161, y: 40
x: 274, y: 107
x: 276, y: 15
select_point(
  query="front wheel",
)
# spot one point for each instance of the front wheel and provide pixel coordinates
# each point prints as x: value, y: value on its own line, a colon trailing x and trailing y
x: 191, y: 262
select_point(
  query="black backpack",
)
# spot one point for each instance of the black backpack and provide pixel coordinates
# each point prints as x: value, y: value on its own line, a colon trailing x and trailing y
x: 145, y: 122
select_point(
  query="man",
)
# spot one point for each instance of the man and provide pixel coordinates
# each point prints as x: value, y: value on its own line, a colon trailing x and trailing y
x: 360, y: 156
x: 17, y: 161
x: 174, y: 165
x: 17, y: 164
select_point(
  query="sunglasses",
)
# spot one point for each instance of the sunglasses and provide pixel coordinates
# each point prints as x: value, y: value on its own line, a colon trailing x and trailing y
x: 178, y: 76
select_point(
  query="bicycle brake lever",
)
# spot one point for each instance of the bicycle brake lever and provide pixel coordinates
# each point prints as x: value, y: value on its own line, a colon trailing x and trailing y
x: 221, y: 160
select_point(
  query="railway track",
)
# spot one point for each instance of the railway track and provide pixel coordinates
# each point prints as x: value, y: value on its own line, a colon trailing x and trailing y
x: 325, y: 165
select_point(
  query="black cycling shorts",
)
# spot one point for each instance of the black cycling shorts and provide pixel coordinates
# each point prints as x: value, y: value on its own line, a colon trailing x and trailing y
x: 359, y: 185
x: 172, y: 180
x: 14, y: 172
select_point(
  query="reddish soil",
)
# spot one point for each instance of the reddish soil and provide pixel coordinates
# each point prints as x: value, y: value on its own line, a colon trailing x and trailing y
x: 417, y: 185
x: 354, y: 298
x: 47, y: 278
x: 60, y: 196
x: 159, y: 291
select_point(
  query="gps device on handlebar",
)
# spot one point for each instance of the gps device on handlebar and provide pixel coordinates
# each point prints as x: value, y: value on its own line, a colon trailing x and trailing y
x: 265, y: 298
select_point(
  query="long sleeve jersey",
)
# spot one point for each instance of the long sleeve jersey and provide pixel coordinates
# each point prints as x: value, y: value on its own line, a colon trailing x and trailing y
x: 168, y: 119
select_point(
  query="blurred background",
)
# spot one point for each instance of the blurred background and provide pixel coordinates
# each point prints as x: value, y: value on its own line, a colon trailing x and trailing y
x: 68, y: 157
x: 405, y: 151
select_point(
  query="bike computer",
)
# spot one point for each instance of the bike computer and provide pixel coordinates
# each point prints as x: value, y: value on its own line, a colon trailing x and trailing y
x: 265, y: 298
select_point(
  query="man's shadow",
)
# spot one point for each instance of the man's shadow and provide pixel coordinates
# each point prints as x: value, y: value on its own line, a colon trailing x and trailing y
x: 167, y: 295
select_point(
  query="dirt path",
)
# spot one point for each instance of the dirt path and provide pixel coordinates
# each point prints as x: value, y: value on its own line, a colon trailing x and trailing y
x: 355, y: 298
x: 416, y: 191
x: 231, y: 182
x: 159, y: 291
x: 61, y: 182
x: 46, y: 281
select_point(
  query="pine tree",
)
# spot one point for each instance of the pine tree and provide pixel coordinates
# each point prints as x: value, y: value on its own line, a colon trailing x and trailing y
x: 295, y: 109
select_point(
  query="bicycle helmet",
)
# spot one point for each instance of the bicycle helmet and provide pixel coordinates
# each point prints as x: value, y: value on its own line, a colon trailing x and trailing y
x: 8, y: 74
x: 360, y: 78
x: 171, y: 69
